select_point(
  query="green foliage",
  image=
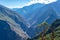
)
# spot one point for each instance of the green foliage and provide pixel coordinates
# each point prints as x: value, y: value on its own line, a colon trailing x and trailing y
x: 44, y: 24
x: 57, y: 34
x: 47, y: 26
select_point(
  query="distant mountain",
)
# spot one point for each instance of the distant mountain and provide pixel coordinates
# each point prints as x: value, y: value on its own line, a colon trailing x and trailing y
x: 35, y: 12
x: 25, y: 24
x: 38, y: 14
x: 28, y: 11
x: 15, y: 23
x: 48, y: 15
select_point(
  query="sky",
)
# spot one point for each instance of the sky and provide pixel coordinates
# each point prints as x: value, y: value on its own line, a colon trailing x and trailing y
x: 22, y: 3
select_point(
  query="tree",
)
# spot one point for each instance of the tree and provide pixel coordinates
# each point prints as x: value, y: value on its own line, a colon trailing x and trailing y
x: 54, y: 25
x: 46, y: 27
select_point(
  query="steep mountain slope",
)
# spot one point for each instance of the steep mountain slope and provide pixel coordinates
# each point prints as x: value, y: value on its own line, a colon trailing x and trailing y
x: 49, y: 14
x: 37, y: 15
x: 28, y: 11
x: 16, y: 22
x: 6, y: 33
x: 35, y: 12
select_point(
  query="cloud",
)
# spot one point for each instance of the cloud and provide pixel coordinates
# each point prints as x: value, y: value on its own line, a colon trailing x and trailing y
x: 33, y: 2
x: 38, y: 1
x: 44, y: 1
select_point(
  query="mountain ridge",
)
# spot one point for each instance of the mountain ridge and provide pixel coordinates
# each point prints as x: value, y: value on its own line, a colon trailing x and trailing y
x: 14, y: 20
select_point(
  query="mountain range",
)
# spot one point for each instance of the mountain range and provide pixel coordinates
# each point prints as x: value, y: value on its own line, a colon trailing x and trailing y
x: 16, y: 22
x: 23, y: 22
x: 38, y: 13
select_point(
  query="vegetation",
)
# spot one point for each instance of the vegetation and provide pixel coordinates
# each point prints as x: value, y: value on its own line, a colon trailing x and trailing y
x: 54, y: 28
x: 56, y: 34
x: 43, y: 33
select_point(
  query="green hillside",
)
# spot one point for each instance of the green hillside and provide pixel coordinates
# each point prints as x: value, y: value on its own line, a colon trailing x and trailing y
x: 53, y: 31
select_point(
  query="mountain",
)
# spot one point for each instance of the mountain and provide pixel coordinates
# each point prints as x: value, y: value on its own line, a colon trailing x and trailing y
x: 37, y: 15
x: 13, y: 23
x: 28, y: 11
x: 20, y: 27
x: 48, y: 15
x: 6, y: 33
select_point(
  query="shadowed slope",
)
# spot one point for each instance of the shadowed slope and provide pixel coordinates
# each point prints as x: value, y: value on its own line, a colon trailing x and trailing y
x: 6, y: 33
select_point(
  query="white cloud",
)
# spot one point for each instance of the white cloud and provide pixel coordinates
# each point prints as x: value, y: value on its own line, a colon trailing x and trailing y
x: 44, y: 1
x: 35, y: 1
x: 38, y: 1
